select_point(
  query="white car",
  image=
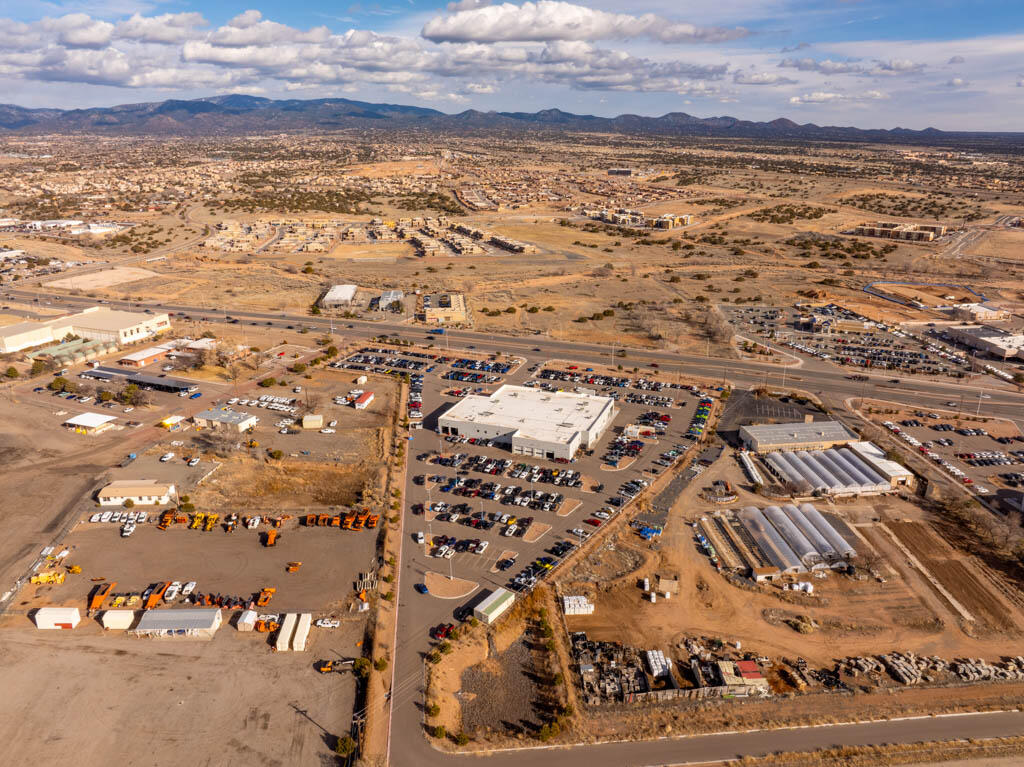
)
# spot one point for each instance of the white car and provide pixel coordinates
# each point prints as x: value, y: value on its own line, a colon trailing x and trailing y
x: 128, y: 409
x: 167, y: 368
x: 454, y: 517
x: 127, y: 529
x: 194, y: 461
x: 297, y: 390
x: 188, y: 588
x: 327, y: 431
x: 511, y: 530
x: 449, y: 554
x: 332, y: 424
x: 328, y: 623
x: 172, y: 591
x: 116, y: 517
x: 166, y: 457
x: 96, y: 517
x: 143, y: 516
x: 132, y: 516
x: 420, y: 538
x: 415, y: 415
x: 441, y: 552
x: 482, y: 547
x: 105, y: 517
x: 283, y: 431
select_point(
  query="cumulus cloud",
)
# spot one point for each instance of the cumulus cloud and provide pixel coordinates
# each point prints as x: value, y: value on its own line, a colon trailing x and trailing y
x: 825, y: 67
x: 551, y: 20
x: 956, y: 60
x: 250, y: 28
x: 168, y: 29
x: 467, y: 5
x: 761, y: 78
x: 479, y: 88
x: 895, y: 67
x: 828, y: 97
x: 78, y: 30
x: 957, y: 82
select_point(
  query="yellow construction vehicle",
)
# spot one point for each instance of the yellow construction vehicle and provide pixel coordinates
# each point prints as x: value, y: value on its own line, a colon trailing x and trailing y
x: 340, y: 665
x: 197, y: 520
x: 265, y: 596
x: 211, y: 521
x: 74, y: 569
x: 53, y: 577
x: 293, y: 567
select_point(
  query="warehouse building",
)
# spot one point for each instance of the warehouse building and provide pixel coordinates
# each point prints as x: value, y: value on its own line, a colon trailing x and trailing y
x: 339, y: 295
x: 141, y: 492
x: 532, y: 421
x: 991, y: 341
x: 96, y: 323
x: 225, y: 419
x: 494, y: 606
x: 389, y: 298
x: 810, y: 435
x: 197, y: 623
x: 143, y: 357
x: 444, y: 308
x: 57, y: 617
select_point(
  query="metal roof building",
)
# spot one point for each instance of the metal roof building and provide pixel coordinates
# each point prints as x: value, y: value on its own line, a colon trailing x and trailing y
x: 90, y: 423
x: 824, y: 527
x: 198, y: 623
x: 491, y: 608
x: 339, y: 295
x: 827, y: 472
x: 225, y: 419
x: 814, y: 435
x: 820, y: 542
x: 803, y: 548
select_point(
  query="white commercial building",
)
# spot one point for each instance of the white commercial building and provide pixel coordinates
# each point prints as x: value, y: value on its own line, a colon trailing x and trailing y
x: 57, y: 617
x: 199, y: 623
x: 339, y: 295
x: 96, y: 323
x: 90, y: 423
x: 808, y: 435
x: 225, y: 419
x: 141, y: 492
x: 994, y: 342
x: 532, y: 421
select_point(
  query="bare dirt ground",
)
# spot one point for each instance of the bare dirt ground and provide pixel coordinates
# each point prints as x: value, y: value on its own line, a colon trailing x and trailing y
x: 103, y: 279
x: 133, y: 701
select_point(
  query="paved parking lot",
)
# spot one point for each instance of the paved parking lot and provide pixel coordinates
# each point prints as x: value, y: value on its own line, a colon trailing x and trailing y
x: 449, y: 475
x: 982, y: 455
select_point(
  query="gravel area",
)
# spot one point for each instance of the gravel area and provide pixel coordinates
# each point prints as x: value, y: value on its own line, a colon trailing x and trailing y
x: 510, y: 711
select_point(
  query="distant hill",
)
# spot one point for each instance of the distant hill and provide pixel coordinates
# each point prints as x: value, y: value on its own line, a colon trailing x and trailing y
x: 239, y: 114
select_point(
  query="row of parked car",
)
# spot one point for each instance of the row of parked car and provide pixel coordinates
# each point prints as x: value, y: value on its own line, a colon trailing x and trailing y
x: 700, y: 418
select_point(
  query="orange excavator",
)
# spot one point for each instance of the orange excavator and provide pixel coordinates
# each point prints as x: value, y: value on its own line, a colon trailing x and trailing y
x: 156, y: 595
x: 293, y: 567
x: 270, y: 538
x: 265, y: 595
x: 265, y: 627
x: 99, y: 595
x: 166, y: 519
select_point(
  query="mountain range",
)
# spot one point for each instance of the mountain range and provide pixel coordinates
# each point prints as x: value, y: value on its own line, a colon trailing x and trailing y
x: 238, y: 114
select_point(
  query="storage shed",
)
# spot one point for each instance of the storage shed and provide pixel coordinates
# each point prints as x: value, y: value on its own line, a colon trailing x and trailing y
x: 312, y: 421
x: 117, y: 620
x: 496, y: 603
x: 246, y: 620
x: 284, y: 634
x: 197, y: 623
x: 57, y: 617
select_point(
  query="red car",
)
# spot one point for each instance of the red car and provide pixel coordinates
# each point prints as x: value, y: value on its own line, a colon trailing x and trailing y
x: 441, y: 631
x: 593, y: 521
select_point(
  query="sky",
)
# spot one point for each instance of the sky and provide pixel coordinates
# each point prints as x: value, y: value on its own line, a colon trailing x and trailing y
x: 949, y: 64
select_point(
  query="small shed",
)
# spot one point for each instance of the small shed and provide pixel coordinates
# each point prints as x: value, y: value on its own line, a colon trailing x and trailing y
x: 117, y: 620
x: 246, y: 620
x: 312, y: 421
x: 363, y: 401
x: 90, y: 423
x: 57, y: 617
x: 302, y: 631
x: 492, y: 607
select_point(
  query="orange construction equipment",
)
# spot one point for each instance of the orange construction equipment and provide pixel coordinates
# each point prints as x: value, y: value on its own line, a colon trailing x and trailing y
x: 270, y: 538
x: 362, y: 596
x: 293, y: 567
x: 265, y: 627
x: 265, y: 595
x: 166, y: 519
x: 156, y: 595
x: 372, y: 521
x: 310, y: 520
x: 336, y: 521
x: 360, y: 521
x: 323, y: 520
x: 99, y: 594
x: 280, y: 520
x: 346, y: 524
x: 181, y: 519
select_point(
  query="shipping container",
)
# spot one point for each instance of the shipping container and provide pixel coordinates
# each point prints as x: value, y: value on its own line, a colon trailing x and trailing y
x: 302, y: 631
x: 284, y: 634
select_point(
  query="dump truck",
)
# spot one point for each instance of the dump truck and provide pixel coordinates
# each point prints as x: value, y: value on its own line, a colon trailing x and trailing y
x: 311, y: 520
x: 372, y: 521
x: 156, y: 595
x: 360, y: 521
x: 53, y: 576
x: 99, y: 595
x: 336, y: 521
x: 346, y: 523
x: 270, y: 538
x: 265, y: 595
x: 323, y: 520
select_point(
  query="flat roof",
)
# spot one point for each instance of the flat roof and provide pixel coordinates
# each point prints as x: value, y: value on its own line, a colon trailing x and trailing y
x: 496, y: 601
x: 224, y: 416
x: 90, y: 420
x: 173, y: 620
x: 341, y: 293
x: 122, y: 487
x: 144, y: 353
x: 799, y: 433
x: 102, y: 318
x: 532, y: 413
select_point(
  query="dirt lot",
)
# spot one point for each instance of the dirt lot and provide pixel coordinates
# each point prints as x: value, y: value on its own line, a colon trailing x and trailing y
x: 103, y: 279
x: 235, y: 564
x: 134, y: 701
